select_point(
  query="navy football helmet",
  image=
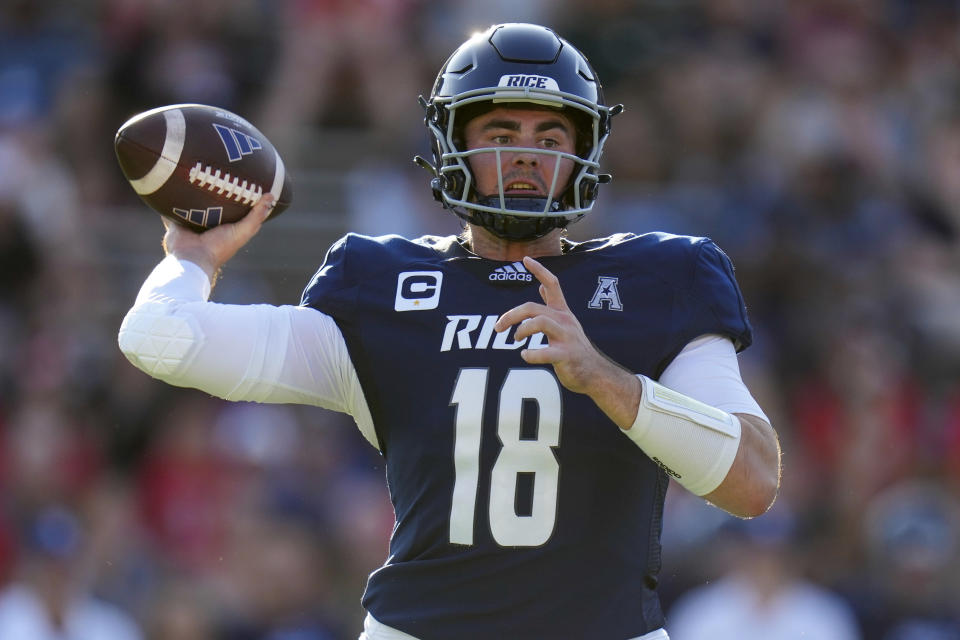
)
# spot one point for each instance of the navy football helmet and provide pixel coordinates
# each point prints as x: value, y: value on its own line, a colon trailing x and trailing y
x: 516, y: 63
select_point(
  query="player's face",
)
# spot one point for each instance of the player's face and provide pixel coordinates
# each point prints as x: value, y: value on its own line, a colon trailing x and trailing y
x: 525, y: 173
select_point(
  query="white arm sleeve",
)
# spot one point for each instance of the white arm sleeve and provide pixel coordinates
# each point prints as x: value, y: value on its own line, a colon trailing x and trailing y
x: 684, y: 422
x: 707, y: 370
x: 260, y: 353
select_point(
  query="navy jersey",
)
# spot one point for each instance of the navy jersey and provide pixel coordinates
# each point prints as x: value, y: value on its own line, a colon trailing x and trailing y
x: 522, y: 510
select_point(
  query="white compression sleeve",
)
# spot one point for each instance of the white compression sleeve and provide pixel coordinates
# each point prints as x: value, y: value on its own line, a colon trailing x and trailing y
x: 261, y: 353
x: 707, y: 370
x: 687, y: 428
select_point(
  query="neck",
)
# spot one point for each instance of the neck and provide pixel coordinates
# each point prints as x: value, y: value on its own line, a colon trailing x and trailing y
x: 486, y: 245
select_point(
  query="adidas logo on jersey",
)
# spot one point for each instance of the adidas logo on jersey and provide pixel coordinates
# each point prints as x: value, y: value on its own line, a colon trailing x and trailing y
x: 515, y: 272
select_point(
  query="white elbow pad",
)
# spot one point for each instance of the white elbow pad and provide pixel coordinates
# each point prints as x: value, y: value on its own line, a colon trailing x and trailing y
x: 157, y: 341
x: 694, y: 442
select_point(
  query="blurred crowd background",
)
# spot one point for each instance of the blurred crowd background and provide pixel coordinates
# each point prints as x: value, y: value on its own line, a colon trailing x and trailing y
x: 817, y: 141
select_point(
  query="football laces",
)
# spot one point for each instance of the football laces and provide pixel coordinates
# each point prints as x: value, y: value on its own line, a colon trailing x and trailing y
x: 225, y: 185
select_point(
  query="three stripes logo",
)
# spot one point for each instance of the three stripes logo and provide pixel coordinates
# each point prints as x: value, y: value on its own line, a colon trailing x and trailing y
x: 236, y: 143
x: 204, y: 217
x: 515, y: 272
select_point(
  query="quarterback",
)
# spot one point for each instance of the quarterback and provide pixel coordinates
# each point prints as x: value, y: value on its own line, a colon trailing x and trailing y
x: 532, y: 396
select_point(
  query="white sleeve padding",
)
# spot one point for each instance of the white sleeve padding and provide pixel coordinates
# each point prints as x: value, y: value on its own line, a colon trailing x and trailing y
x: 260, y: 353
x: 694, y: 442
x: 707, y: 370
x: 685, y: 422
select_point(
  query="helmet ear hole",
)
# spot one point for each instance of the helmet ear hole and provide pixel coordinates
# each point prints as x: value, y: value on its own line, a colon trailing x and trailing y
x: 583, y: 131
x: 465, y: 114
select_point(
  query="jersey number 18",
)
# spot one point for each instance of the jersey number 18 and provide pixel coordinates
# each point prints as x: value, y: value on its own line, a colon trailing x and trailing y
x: 518, y: 457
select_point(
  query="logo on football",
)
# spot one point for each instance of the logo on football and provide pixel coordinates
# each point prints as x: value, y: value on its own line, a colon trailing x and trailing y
x: 199, y: 165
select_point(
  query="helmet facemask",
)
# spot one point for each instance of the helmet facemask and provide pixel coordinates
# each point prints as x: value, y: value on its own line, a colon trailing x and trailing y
x: 513, y: 216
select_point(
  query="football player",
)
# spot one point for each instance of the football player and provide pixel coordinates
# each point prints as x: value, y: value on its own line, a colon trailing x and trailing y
x: 531, y: 396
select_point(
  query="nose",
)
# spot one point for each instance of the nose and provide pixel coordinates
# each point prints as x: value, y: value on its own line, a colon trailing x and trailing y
x: 526, y: 158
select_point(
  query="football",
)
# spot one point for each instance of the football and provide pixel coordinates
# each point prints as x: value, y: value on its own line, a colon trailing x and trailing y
x: 200, y: 165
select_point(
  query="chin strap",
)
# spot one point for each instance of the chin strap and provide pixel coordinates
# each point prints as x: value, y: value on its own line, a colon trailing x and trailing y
x: 513, y: 227
x: 533, y: 204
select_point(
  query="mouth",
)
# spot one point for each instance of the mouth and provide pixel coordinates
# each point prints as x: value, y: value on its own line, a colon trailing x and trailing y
x: 522, y: 187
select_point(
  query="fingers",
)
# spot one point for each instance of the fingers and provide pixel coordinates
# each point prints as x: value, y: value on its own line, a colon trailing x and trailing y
x: 249, y: 225
x: 550, y: 292
x: 243, y: 229
x: 225, y: 240
x: 260, y: 211
x: 544, y: 355
x: 518, y: 314
x: 564, y: 345
x: 537, y: 324
x: 213, y: 248
x: 550, y: 289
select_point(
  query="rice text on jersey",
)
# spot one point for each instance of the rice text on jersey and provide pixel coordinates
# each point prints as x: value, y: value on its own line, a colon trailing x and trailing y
x: 464, y: 329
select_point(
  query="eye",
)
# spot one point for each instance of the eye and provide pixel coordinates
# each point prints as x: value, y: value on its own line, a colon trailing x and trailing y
x: 550, y: 143
x: 501, y: 139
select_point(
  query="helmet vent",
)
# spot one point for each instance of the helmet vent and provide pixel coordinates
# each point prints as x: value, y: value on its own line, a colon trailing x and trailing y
x: 526, y: 43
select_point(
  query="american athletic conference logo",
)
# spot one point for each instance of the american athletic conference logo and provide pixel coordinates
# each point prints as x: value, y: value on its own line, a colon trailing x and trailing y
x: 515, y: 272
x: 607, y: 295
